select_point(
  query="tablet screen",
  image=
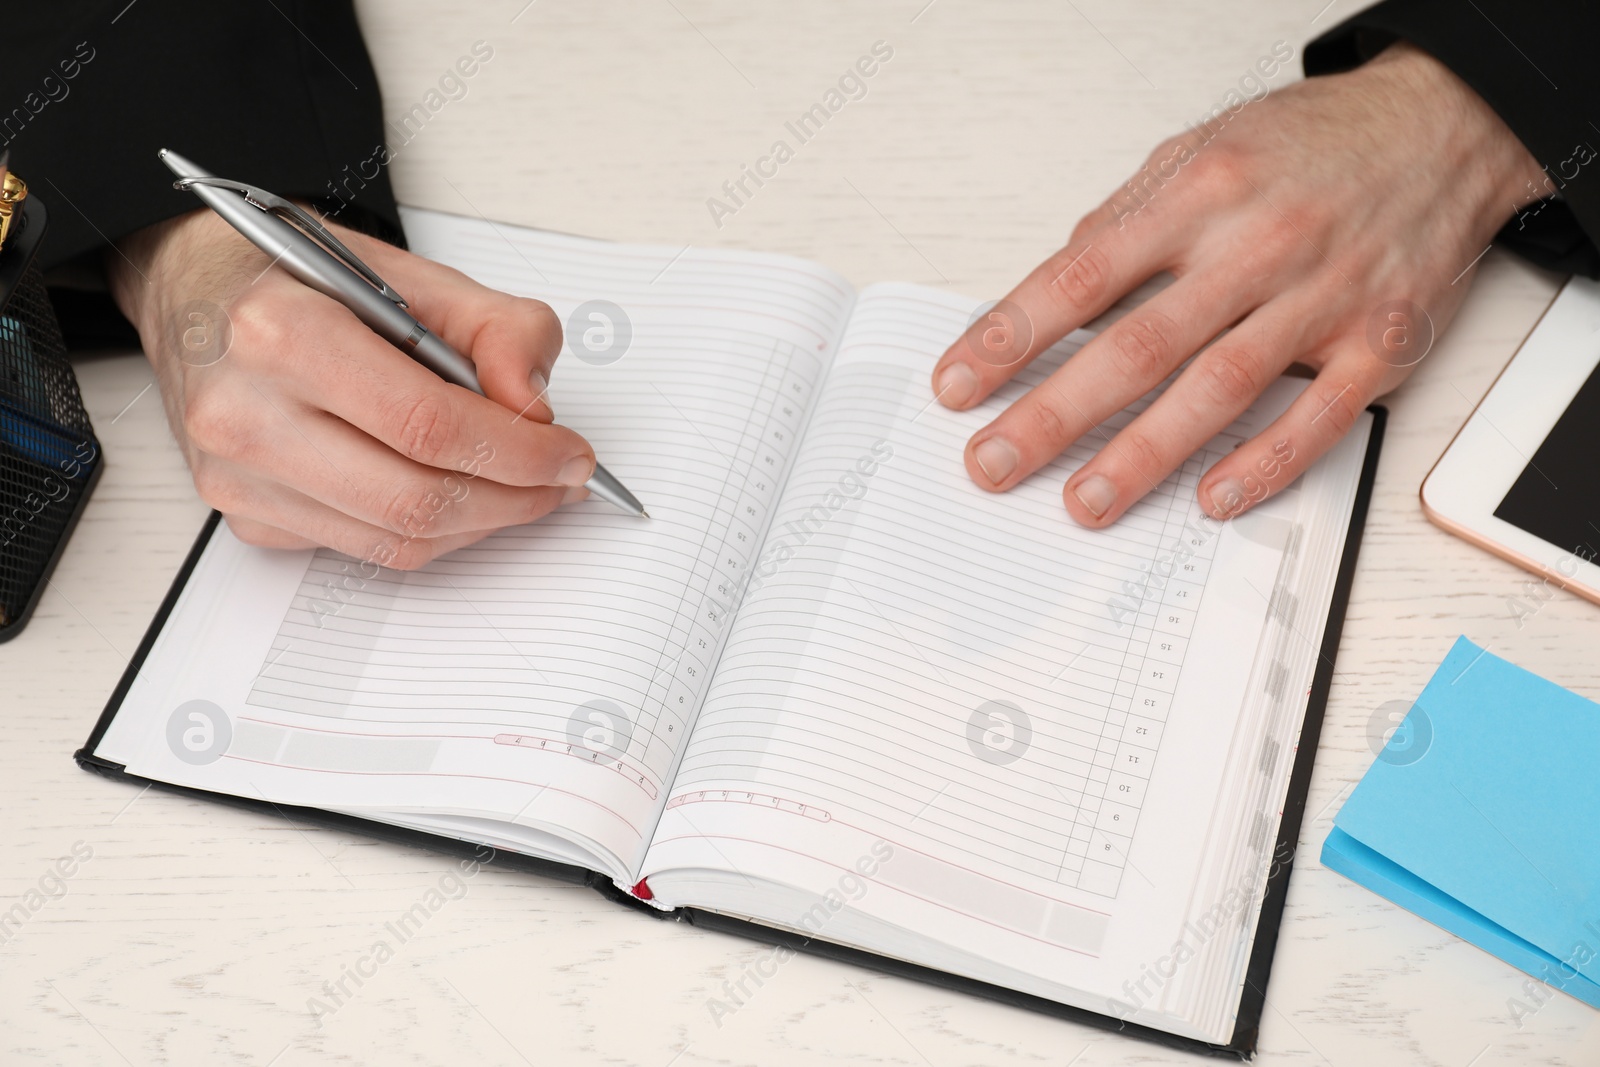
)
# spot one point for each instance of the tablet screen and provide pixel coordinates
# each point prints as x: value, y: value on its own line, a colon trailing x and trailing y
x: 1557, y: 496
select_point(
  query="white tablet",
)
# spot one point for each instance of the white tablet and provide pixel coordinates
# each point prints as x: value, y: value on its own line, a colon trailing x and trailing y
x: 1522, y: 478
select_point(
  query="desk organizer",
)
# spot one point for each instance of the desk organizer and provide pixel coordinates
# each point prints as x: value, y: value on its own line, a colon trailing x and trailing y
x: 49, y: 457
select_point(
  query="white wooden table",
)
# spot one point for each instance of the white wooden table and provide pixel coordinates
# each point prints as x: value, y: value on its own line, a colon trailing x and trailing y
x: 197, y: 934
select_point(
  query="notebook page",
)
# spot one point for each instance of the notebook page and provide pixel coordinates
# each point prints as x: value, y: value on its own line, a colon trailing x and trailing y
x: 546, y: 674
x: 965, y: 678
x: 1243, y: 847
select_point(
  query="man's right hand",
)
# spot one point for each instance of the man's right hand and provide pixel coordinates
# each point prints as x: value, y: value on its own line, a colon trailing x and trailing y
x: 304, y: 428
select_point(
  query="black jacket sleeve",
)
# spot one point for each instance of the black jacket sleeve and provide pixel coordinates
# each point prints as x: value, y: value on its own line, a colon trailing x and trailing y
x: 280, y: 94
x: 1536, y: 65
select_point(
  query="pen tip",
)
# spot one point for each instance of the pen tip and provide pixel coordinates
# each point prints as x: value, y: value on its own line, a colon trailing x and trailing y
x: 643, y: 514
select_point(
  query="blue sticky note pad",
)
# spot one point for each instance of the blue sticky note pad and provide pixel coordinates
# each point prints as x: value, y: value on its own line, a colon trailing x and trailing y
x: 1482, y: 815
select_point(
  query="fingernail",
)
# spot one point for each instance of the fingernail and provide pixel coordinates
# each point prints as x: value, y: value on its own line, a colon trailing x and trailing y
x: 575, y: 471
x: 575, y: 494
x: 1227, y: 498
x: 997, y: 457
x: 539, y: 386
x: 957, y: 385
x: 1096, y: 493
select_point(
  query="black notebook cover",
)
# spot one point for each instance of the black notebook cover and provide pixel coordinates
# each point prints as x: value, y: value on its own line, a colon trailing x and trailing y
x: 1247, y: 1025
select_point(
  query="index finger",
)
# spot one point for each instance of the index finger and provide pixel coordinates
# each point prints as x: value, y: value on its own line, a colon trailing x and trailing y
x: 512, y: 341
x: 333, y: 362
x: 1067, y: 290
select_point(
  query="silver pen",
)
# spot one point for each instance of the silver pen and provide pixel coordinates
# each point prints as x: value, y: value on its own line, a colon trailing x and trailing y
x: 304, y: 247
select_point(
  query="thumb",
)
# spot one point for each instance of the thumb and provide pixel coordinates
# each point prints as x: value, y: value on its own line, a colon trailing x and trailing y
x: 512, y: 341
x: 514, y: 347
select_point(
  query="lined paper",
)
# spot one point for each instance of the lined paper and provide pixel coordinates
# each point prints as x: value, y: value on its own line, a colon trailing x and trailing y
x: 940, y: 668
x: 576, y: 648
x: 828, y: 651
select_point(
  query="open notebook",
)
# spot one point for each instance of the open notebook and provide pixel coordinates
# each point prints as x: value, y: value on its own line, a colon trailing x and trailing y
x: 831, y: 687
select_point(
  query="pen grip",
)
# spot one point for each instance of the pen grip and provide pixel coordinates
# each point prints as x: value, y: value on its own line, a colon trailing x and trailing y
x: 446, y: 362
x: 381, y: 315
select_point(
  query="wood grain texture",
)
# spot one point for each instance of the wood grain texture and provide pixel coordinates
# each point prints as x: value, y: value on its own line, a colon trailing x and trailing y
x: 199, y: 934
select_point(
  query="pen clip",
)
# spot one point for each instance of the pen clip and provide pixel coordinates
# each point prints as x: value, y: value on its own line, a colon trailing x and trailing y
x: 302, y: 220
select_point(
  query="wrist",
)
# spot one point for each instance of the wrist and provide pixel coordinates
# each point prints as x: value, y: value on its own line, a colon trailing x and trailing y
x: 169, y: 261
x: 1480, y: 151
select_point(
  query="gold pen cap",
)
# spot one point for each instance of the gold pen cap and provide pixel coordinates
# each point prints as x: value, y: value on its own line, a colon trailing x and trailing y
x: 13, y: 191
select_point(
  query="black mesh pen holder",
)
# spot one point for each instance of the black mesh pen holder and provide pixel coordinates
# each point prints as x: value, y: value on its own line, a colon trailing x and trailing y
x: 49, y: 457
